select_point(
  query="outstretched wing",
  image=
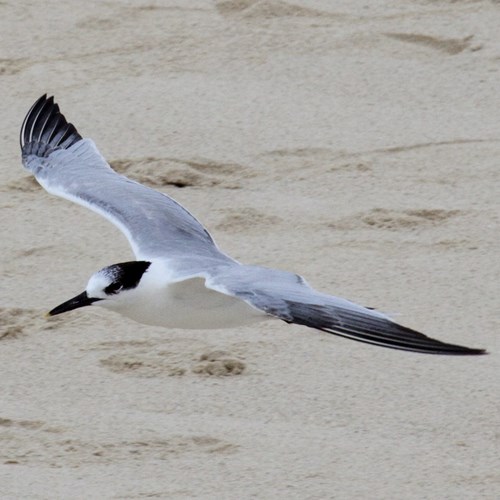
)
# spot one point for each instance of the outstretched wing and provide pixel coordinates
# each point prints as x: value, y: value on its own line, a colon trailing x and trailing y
x: 288, y: 297
x: 69, y: 166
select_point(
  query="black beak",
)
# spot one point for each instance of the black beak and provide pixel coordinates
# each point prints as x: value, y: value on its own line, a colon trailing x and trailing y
x: 79, y: 301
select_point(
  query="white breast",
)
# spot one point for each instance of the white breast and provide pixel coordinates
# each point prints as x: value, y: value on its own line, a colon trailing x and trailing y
x: 186, y: 304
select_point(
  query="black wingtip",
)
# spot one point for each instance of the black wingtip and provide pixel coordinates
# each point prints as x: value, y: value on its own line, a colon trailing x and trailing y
x: 424, y: 345
x: 434, y: 346
x: 45, y: 129
x: 477, y: 352
x: 395, y: 336
x: 373, y: 330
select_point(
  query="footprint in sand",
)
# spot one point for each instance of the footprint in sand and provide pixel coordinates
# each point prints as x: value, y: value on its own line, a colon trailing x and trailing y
x: 395, y: 220
x: 150, y: 359
x: 219, y: 364
x: 158, y: 172
x: 43, y: 449
x: 244, y: 219
x: 24, y: 184
x: 266, y: 9
x: 16, y: 321
x: 450, y: 46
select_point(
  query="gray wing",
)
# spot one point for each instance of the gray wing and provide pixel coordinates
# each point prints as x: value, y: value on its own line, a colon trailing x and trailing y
x: 69, y: 166
x: 287, y: 296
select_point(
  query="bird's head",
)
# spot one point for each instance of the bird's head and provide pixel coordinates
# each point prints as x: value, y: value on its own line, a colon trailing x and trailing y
x: 108, y: 287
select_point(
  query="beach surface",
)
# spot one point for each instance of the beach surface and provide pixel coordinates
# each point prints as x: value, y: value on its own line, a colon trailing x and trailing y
x: 354, y: 143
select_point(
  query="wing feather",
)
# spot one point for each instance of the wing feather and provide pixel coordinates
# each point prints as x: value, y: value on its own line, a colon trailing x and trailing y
x: 288, y: 297
x: 69, y: 166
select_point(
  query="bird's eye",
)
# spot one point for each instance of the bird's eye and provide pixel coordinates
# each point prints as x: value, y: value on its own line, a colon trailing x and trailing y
x: 113, y: 288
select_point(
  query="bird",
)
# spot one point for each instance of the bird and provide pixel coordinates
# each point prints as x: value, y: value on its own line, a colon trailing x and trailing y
x: 180, y: 278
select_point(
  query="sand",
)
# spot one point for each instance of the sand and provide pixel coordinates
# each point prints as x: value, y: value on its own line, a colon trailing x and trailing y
x: 356, y: 143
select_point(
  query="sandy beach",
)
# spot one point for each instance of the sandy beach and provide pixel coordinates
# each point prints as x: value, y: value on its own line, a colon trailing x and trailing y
x: 355, y: 143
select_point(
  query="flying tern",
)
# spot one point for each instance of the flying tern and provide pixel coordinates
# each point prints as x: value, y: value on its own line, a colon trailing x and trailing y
x: 181, y: 279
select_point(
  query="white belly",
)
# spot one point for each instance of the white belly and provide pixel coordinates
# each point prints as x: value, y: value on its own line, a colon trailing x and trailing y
x: 188, y: 304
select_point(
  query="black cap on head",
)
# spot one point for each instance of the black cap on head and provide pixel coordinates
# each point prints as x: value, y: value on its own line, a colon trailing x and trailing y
x: 125, y: 275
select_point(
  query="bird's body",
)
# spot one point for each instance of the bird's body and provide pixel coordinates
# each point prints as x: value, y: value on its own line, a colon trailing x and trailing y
x: 189, y: 304
x: 181, y: 279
